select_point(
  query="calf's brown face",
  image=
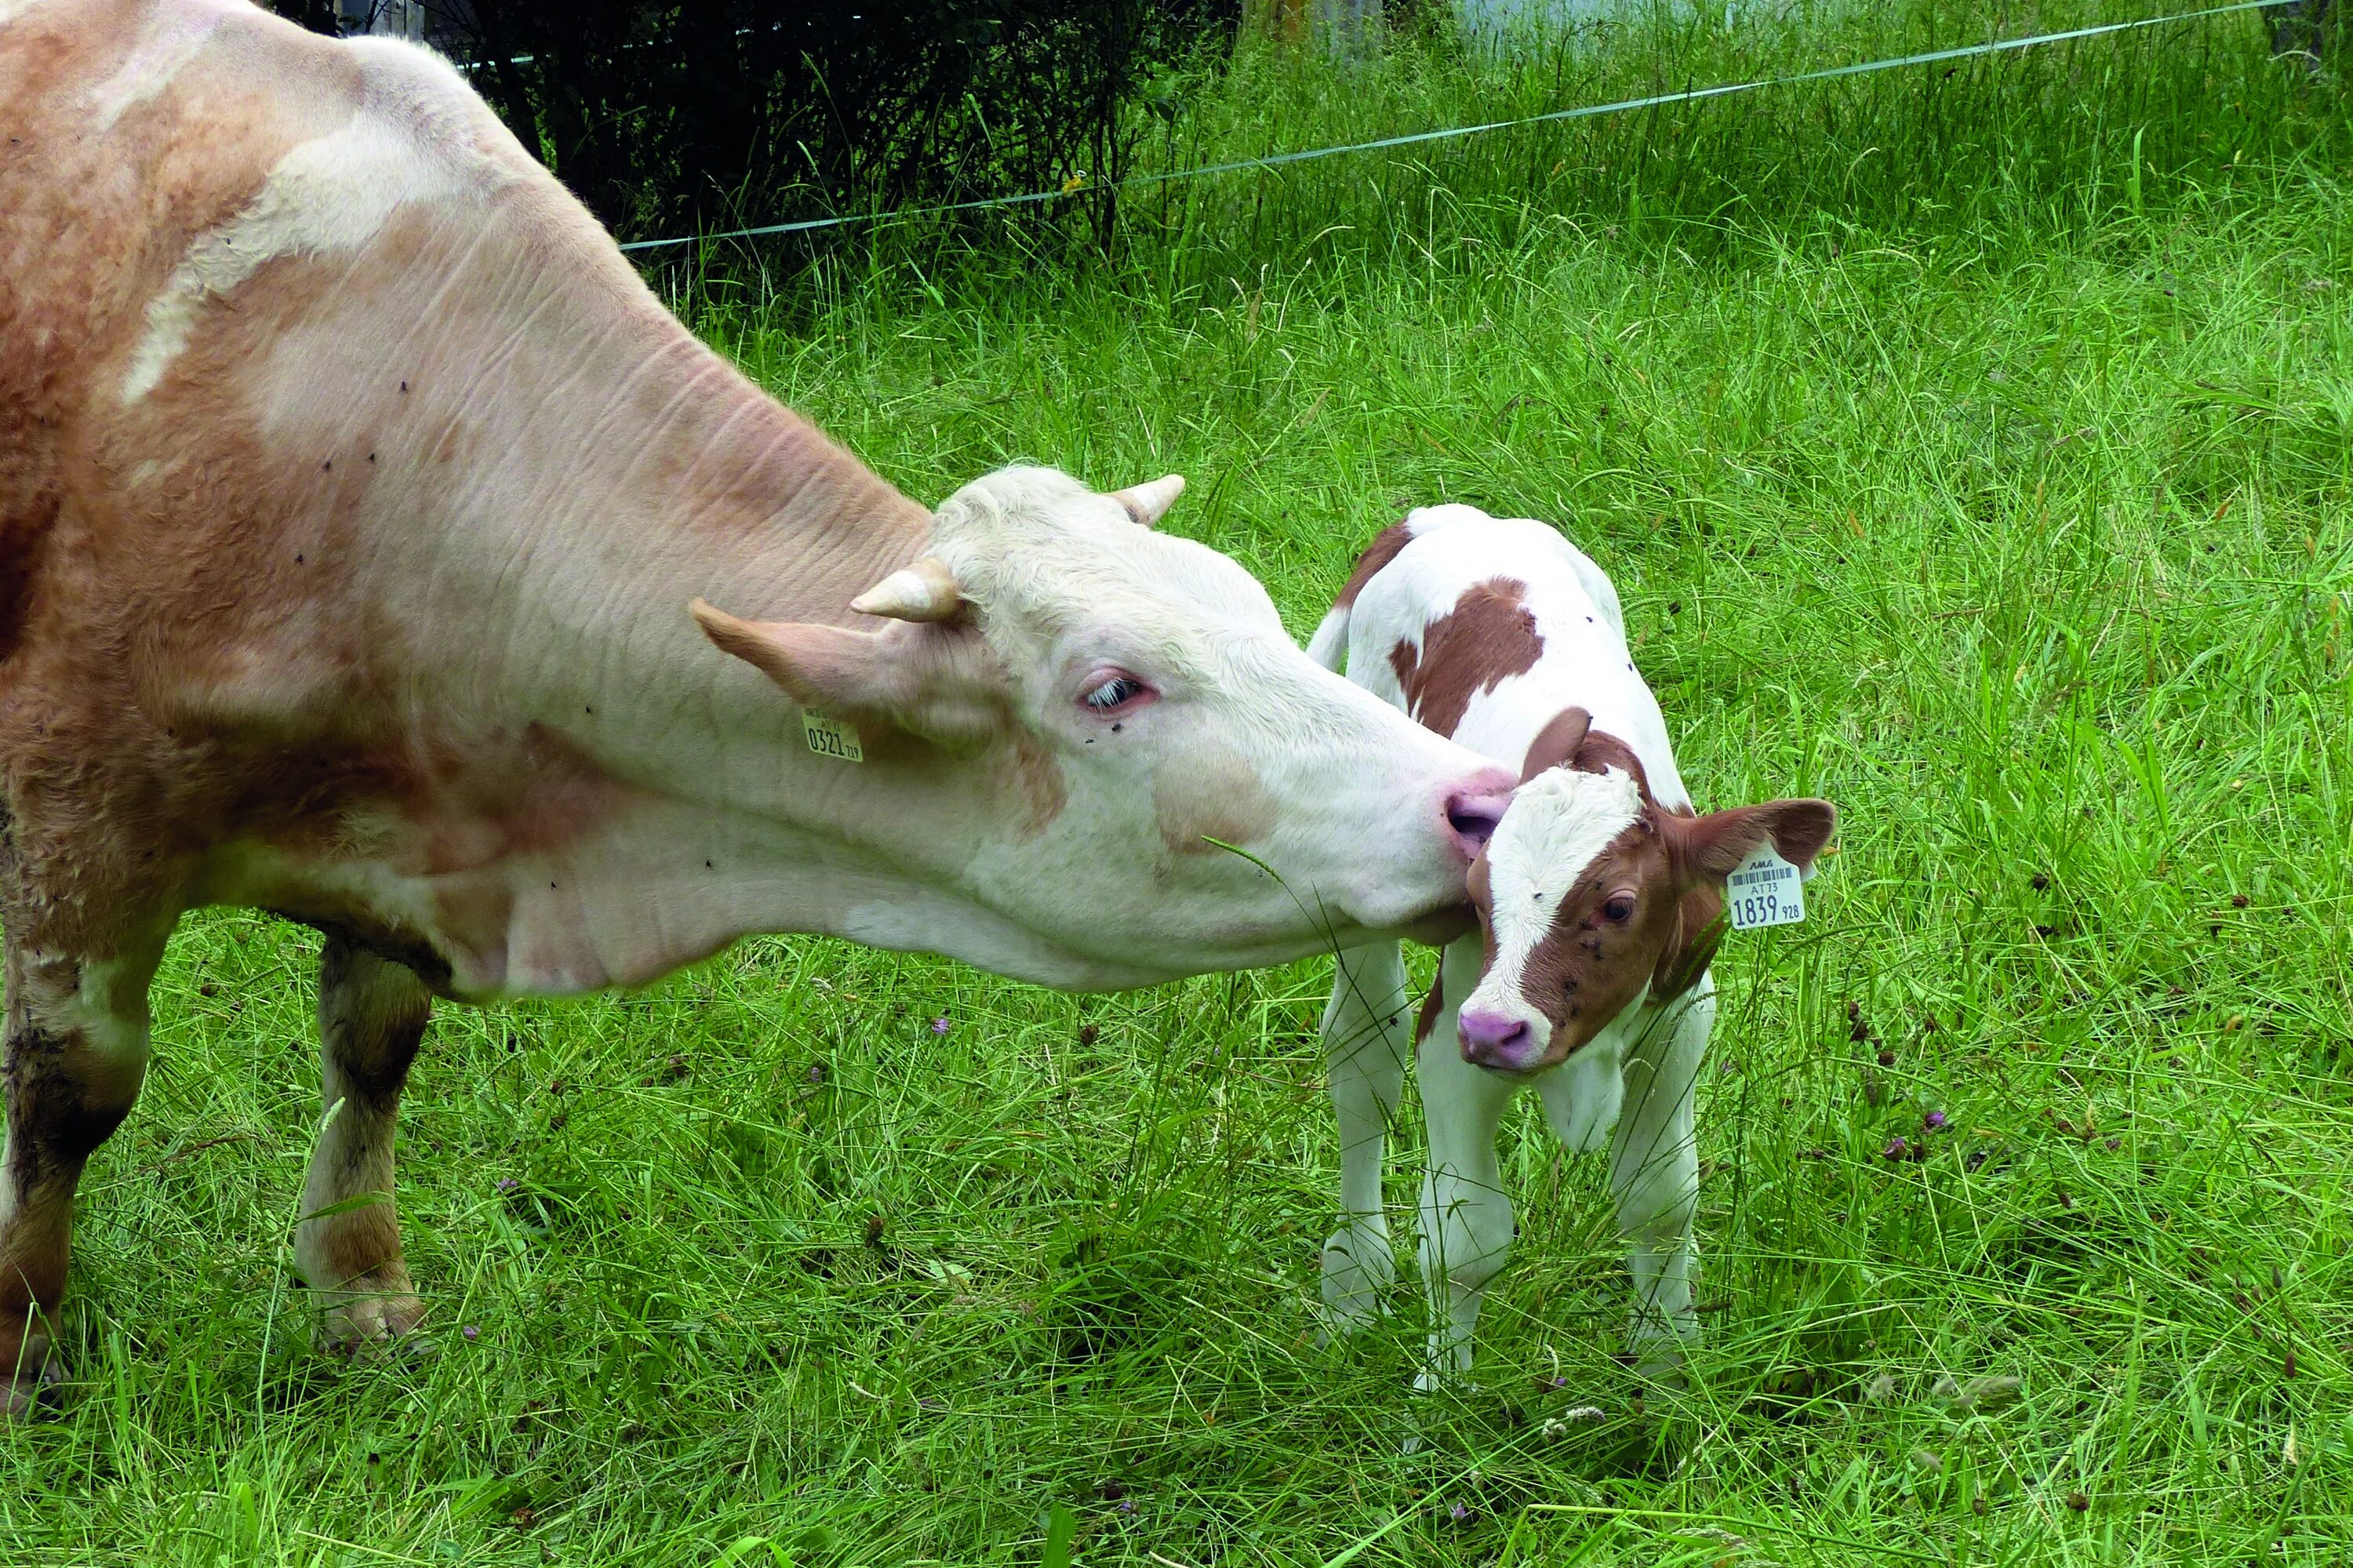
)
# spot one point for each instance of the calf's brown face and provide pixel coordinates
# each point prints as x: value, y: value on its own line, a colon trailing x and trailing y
x: 1590, y: 896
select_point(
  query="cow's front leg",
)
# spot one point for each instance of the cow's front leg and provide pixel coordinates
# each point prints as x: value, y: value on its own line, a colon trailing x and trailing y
x: 1654, y: 1172
x: 371, y: 1014
x: 76, y: 1051
x: 1368, y: 1031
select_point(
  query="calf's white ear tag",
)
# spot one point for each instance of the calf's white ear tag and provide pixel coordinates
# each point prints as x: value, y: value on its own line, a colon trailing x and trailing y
x: 831, y: 737
x: 1763, y: 890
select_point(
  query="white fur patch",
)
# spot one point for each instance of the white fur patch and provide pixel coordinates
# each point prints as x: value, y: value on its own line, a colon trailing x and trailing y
x: 411, y: 140
x: 1555, y: 826
x: 12, y: 9
x: 173, y: 37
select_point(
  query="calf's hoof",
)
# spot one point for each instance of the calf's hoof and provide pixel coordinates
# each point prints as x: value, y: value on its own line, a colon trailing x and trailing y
x: 1661, y: 1363
x: 362, y: 1327
x: 35, y: 1383
x: 1357, y: 1273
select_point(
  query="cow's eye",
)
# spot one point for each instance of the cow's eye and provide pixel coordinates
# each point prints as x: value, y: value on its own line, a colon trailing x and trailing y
x: 1619, y: 909
x: 1114, y: 692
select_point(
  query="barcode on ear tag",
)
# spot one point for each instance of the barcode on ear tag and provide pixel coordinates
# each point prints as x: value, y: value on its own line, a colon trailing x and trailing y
x: 1763, y: 890
x: 831, y: 737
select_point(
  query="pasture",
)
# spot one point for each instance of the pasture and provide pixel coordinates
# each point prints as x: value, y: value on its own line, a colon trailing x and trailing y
x: 2001, y: 503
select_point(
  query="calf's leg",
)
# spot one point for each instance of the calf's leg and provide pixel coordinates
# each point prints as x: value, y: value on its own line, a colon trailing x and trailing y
x: 1655, y: 1168
x: 1466, y: 1217
x: 74, y: 1051
x: 1367, y: 1032
x: 372, y: 1015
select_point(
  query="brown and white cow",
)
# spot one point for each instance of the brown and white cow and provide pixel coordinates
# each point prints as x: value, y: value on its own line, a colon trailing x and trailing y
x: 1599, y: 898
x: 353, y: 495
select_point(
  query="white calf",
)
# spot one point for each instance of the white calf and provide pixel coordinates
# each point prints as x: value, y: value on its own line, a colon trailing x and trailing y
x: 1599, y: 901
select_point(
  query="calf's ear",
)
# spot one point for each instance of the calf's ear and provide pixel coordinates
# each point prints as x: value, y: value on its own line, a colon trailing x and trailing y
x: 1707, y: 849
x: 937, y: 679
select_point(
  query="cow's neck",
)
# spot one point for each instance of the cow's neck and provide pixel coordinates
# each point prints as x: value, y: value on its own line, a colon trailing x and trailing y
x: 597, y: 794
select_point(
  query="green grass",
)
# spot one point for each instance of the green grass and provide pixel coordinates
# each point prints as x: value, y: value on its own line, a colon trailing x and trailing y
x: 2015, y: 525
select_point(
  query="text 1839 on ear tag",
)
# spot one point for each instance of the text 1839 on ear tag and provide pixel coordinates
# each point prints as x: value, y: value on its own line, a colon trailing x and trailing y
x: 1763, y: 890
x: 831, y: 737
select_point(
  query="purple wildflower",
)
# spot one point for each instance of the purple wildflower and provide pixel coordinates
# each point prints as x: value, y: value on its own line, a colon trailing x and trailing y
x: 1933, y: 1121
x: 1125, y: 1505
x: 1458, y: 1513
x: 1896, y: 1150
x: 939, y: 1026
x: 508, y: 1183
x: 471, y: 1332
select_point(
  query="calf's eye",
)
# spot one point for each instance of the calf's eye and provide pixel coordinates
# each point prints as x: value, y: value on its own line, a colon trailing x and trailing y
x: 1618, y: 910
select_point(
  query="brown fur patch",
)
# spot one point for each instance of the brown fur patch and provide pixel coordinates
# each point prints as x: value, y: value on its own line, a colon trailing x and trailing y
x: 372, y: 1017
x: 1699, y: 931
x: 1601, y: 751
x: 1587, y: 968
x: 1557, y: 743
x: 1433, y: 1004
x: 1487, y: 638
x: 1378, y: 555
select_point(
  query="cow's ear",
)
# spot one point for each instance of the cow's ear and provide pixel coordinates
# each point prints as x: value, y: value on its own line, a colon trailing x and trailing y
x: 937, y: 679
x: 1708, y: 849
x: 1148, y: 502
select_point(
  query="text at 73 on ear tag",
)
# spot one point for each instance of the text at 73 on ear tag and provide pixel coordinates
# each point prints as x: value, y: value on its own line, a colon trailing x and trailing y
x: 1763, y: 890
x: 831, y: 737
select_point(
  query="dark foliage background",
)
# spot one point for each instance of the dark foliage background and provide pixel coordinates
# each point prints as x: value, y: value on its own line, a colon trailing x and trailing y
x: 670, y: 117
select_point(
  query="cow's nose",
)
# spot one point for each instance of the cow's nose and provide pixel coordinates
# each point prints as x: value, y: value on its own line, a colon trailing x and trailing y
x: 1496, y: 1041
x: 1474, y: 807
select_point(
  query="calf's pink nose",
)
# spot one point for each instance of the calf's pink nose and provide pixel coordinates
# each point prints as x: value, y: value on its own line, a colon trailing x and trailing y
x: 1495, y: 1040
x: 1474, y: 807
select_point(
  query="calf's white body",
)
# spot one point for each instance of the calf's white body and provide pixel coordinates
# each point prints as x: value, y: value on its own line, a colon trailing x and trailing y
x: 1504, y: 636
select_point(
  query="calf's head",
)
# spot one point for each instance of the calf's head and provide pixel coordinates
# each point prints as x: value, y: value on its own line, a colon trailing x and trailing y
x: 1105, y: 709
x: 1590, y: 896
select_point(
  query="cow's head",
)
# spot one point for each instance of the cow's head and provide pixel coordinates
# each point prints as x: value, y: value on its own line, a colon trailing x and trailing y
x: 1591, y: 896
x: 1125, y: 712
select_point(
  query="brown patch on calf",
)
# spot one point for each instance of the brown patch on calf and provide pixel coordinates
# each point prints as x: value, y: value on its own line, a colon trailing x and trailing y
x: 1587, y: 968
x: 1487, y: 638
x: 1378, y: 555
x: 1433, y: 1004
x: 1557, y: 743
x: 1601, y: 751
x: 1690, y: 947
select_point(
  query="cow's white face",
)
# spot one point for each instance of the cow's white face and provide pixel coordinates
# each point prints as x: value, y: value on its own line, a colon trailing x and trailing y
x: 1163, y: 782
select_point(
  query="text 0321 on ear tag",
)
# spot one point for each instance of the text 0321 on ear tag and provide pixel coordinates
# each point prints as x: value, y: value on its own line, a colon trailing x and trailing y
x: 831, y: 737
x: 1763, y: 890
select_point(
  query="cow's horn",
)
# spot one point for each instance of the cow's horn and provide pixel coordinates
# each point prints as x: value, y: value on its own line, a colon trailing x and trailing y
x: 1147, y: 503
x: 924, y: 591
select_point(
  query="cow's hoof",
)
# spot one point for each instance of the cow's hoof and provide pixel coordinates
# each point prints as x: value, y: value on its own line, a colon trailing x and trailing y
x: 37, y: 1385
x: 373, y: 1327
